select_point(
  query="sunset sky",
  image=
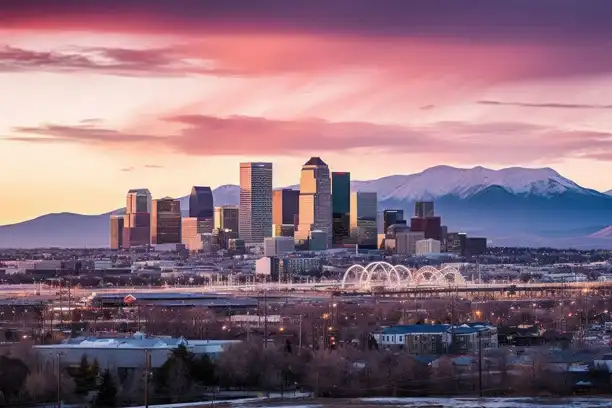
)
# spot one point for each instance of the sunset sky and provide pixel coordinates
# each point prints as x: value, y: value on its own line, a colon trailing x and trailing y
x: 99, y: 96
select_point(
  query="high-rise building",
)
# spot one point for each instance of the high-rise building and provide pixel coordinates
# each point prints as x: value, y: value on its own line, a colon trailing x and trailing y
x: 138, y: 200
x: 392, y: 217
x: 475, y: 246
x: 285, y: 206
x: 137, y: 220
x: 201, y: 203
x: 166, y: 221
x: 341, y: 206
x: 431, y: 226
x: 116, y: 231
x: 191, y: 230
x: 315, y: 200
x: 255, y: 215
x: 456, y: 243
x: 424, y: 209
x: 227, y: 218
x: 364, y: 212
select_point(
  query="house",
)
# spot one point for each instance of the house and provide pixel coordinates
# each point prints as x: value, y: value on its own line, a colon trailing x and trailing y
x: 422, y: 339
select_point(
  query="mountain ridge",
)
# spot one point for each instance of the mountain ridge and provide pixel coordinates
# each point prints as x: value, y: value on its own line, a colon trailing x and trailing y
x: 509, y: 204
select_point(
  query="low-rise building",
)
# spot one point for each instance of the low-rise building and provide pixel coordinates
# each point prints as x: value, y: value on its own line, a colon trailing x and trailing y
x: 438, y: 338
x: 123, y: 354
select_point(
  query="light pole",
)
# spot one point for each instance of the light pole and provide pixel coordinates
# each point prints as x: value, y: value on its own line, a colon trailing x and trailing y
x: 147, y: 374
x: 59, y: 380
x: 300, y: 338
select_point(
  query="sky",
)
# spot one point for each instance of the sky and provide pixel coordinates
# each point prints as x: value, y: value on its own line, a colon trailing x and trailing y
x: 100, y: 96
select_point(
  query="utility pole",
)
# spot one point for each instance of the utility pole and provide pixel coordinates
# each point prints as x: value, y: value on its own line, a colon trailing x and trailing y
x: 480, y: 362
x: 59, y: 380
x: 265, y: 318
x: 300, y: 339
x: 147, y: 375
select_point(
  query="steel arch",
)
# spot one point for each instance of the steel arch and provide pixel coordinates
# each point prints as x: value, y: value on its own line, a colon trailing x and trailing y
x: 388, y: 269
x: 420, y: 276
x: 405, y: 273
x: 395, y: 276
x: 359, y: 268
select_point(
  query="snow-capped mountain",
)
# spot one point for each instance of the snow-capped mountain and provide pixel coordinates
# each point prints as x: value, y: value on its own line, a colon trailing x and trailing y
x: 609, y: 192
x: 443, y: 181
x: 513, y: 206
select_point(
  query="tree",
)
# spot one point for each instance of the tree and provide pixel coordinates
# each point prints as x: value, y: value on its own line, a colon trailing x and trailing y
x: 107, y: 392
x: 203, y: 371
x: 13, y: 374
x: 86, y: 376
x: 174, y: 377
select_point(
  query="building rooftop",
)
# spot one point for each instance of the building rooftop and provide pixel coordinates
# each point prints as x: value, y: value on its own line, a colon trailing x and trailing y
x: 315, y: 161
x: 435, y: 328
x: 137, y: 341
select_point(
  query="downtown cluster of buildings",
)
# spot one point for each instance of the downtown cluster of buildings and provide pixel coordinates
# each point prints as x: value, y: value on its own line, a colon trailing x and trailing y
x: 324, y: 213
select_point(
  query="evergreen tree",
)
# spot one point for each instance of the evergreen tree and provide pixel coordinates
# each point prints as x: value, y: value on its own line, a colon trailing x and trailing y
x: 81, y: 378
x: 107, y: 392
x: 86, y: 377
x: 288, y: 348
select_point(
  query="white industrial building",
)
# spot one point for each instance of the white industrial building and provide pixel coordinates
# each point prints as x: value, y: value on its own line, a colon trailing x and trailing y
x: 124, y: 353
x: 428, y: 246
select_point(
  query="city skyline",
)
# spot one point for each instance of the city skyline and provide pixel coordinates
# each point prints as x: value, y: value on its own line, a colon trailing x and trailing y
x: 107, y: 95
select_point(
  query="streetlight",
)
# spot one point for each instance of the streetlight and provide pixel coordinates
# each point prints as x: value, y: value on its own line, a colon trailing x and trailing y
x: 59, y: 380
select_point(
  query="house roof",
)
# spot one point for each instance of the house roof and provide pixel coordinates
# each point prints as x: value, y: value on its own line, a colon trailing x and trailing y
x: 417, y: 328
x: 433, y: 328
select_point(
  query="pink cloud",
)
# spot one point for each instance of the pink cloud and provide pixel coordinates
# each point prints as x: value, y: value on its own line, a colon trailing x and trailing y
x: 198, y: 135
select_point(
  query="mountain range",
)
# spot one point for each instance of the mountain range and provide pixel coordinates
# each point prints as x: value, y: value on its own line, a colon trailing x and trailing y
x: 512, y: 207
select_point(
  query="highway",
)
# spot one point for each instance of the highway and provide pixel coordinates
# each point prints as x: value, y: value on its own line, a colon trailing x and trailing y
x: 33, y: 292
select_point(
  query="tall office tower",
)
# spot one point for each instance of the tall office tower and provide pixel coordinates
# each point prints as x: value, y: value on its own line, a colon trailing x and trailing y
x: 430, y: 226
x: 364, y: 210
x: 227, y: 218
x: 424, y: 209
x: 285, y: 206
x: 138, y: 200
x: 392, y: 217
x: 201, y: 203
x: 116, y: 231
x: 255, y: 215
x: 315, y: 200
x: 166, y: 221
x: 341, y: 207
x: 137, y: 220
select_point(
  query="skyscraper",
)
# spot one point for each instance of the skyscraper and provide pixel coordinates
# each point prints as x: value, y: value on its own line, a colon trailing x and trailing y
x: 255, y: 215
x: 116, y: 231
x: 137, y: 220
x: 315, y: 200
x: 201, y: 203
x: 285, y: 204
x: 392, y: 217
x: 364, y: 212
x: 341, y: 206
x: 227, y: 218
x: 138, y: 200
x: 424, y: 209
x: 166, y: 221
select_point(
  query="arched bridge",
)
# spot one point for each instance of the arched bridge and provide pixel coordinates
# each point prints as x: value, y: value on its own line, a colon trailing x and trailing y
x: 399, y: 276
